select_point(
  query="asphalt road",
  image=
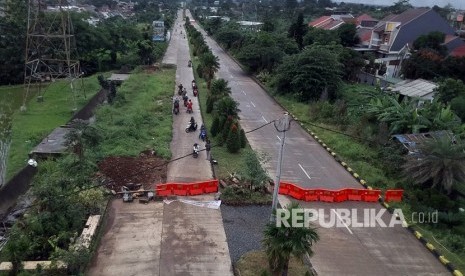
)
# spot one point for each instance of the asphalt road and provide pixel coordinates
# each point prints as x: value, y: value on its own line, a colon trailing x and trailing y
x: 342, y: 250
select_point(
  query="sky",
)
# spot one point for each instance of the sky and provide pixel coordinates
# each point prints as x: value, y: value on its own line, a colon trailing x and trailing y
x: 458, y: 4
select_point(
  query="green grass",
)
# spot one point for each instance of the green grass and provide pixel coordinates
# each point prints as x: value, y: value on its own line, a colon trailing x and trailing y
x: 141, y: 116
x: 30, y: 127
x: 255, y: 263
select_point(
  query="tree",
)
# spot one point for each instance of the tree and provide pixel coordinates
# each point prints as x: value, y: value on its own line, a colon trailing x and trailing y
x: 452, y: 67
x: 297, y: 30
x: 233, y: 142
x: 210, y: 65
x: 433, y: 41
x: 425, y: 64
x: 450, y: 89
x: 309, y: 75
x: 348, y: 35
x: 400, y: 6
x: 352, y: 62
x: 215, y: 126
x: 458, y: 106
x: 321, y: 36
x: 229, y: 36
x: 441, y: 164
x: 253, y: 171
x: 261, y: 52
x: 12, y: 42
x: 243, y: 139
x: 282, y: 242
x: 226, y: 106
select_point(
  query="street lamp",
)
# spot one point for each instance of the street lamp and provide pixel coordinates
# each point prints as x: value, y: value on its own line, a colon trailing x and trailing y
x: 282, y: 125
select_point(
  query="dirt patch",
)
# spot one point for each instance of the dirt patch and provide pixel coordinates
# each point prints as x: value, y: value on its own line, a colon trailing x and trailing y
x: 146, y: 169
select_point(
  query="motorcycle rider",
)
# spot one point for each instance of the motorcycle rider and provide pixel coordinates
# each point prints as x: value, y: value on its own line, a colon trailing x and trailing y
x: 192, y: 122
x: 189, y: 106
x: 180, y: 88
x: 176, y: 105
x: 195, y: 150
x: 203, y: 132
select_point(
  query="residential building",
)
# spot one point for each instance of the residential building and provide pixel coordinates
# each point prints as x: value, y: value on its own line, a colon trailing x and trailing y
x: 394, y: 35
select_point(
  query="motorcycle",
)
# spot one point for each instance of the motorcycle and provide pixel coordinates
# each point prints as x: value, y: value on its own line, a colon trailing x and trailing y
x: 203, y: 134
x: 189, y: 64
x: 196, y: 92
x: 180, y: 90
x: 195, y: 151
x: 191, y: 127
x: 185, y: 98
x: 176, y: 107
x: 189, y: 110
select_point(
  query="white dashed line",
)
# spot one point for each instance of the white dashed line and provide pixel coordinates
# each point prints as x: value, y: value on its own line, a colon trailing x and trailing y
x: 305, y: 172
x: 278, y: 138
x: 253, y: 105
x: 244, y: 93
x: 262, y: 116
x: 339, y: 217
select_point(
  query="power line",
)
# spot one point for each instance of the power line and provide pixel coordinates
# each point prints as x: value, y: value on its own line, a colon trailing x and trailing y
x: 136, y: 173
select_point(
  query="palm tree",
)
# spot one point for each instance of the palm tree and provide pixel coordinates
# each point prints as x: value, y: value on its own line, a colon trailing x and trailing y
x: 442, y: 164
x: 220, y: 88
x: 281, y: 242
x: 210, y: 65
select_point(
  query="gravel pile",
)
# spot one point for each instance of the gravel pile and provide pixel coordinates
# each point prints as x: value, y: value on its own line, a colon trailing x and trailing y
x: 244, y: 227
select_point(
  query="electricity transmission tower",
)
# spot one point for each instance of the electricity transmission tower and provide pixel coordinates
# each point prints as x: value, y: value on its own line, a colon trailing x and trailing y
x: 50, y: 45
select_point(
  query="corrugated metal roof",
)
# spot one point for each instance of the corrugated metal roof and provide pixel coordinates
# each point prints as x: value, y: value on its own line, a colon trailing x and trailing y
x: 413, y: 141
x: 418, y: 88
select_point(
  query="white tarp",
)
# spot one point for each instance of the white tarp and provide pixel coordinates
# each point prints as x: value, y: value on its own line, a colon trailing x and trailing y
x: 215, y: 204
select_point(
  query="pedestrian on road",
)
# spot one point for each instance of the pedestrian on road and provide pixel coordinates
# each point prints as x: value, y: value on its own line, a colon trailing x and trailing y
x: 208, y: 148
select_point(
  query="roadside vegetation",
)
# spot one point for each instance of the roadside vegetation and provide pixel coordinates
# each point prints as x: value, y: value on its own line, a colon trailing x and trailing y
x: 311, y: 72
x: 67, y: 190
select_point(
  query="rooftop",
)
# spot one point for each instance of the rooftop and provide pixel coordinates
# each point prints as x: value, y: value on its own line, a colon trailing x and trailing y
x: 418, y: 88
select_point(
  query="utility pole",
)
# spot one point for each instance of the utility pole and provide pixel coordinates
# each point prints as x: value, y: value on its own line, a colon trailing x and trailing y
x: 282, y: 125
x: 49, y: 43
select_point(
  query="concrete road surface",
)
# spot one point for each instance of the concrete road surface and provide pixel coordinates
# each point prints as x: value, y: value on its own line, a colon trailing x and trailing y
x: 175, y: 238
x: 362, y: 251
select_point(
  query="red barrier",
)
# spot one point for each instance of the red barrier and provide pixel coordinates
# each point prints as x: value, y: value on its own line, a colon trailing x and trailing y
x: 354, y: 194
x: 327, y: 196
x: 284, y: 188
x: 164, y: 190
x: 295, y: 191
x: 393, y: 195
x: 341, y: 195
x: 195, y: 189
x: 210, y: 186
x: 312, y: 195
x: 180, y: 189
x: 371, y: 195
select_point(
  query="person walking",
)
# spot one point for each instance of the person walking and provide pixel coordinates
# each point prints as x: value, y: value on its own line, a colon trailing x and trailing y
x: 208, y: 148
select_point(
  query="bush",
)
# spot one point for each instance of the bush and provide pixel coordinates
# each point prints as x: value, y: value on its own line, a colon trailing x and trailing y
x: 234, y: 140
x: 199, y: 71
x: 226, y: 128
x: 209, y: 104
x: 215, y: 128
x: 455, y: 243
x: 243, y: 138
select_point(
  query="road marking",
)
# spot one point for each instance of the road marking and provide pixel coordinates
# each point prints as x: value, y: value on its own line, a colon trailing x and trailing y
x: 339, y: 217
x: 278, y: 137
x: 262, y: 115
x: 255, y: 106
x: 244, y: 92
x: 305, y: 172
